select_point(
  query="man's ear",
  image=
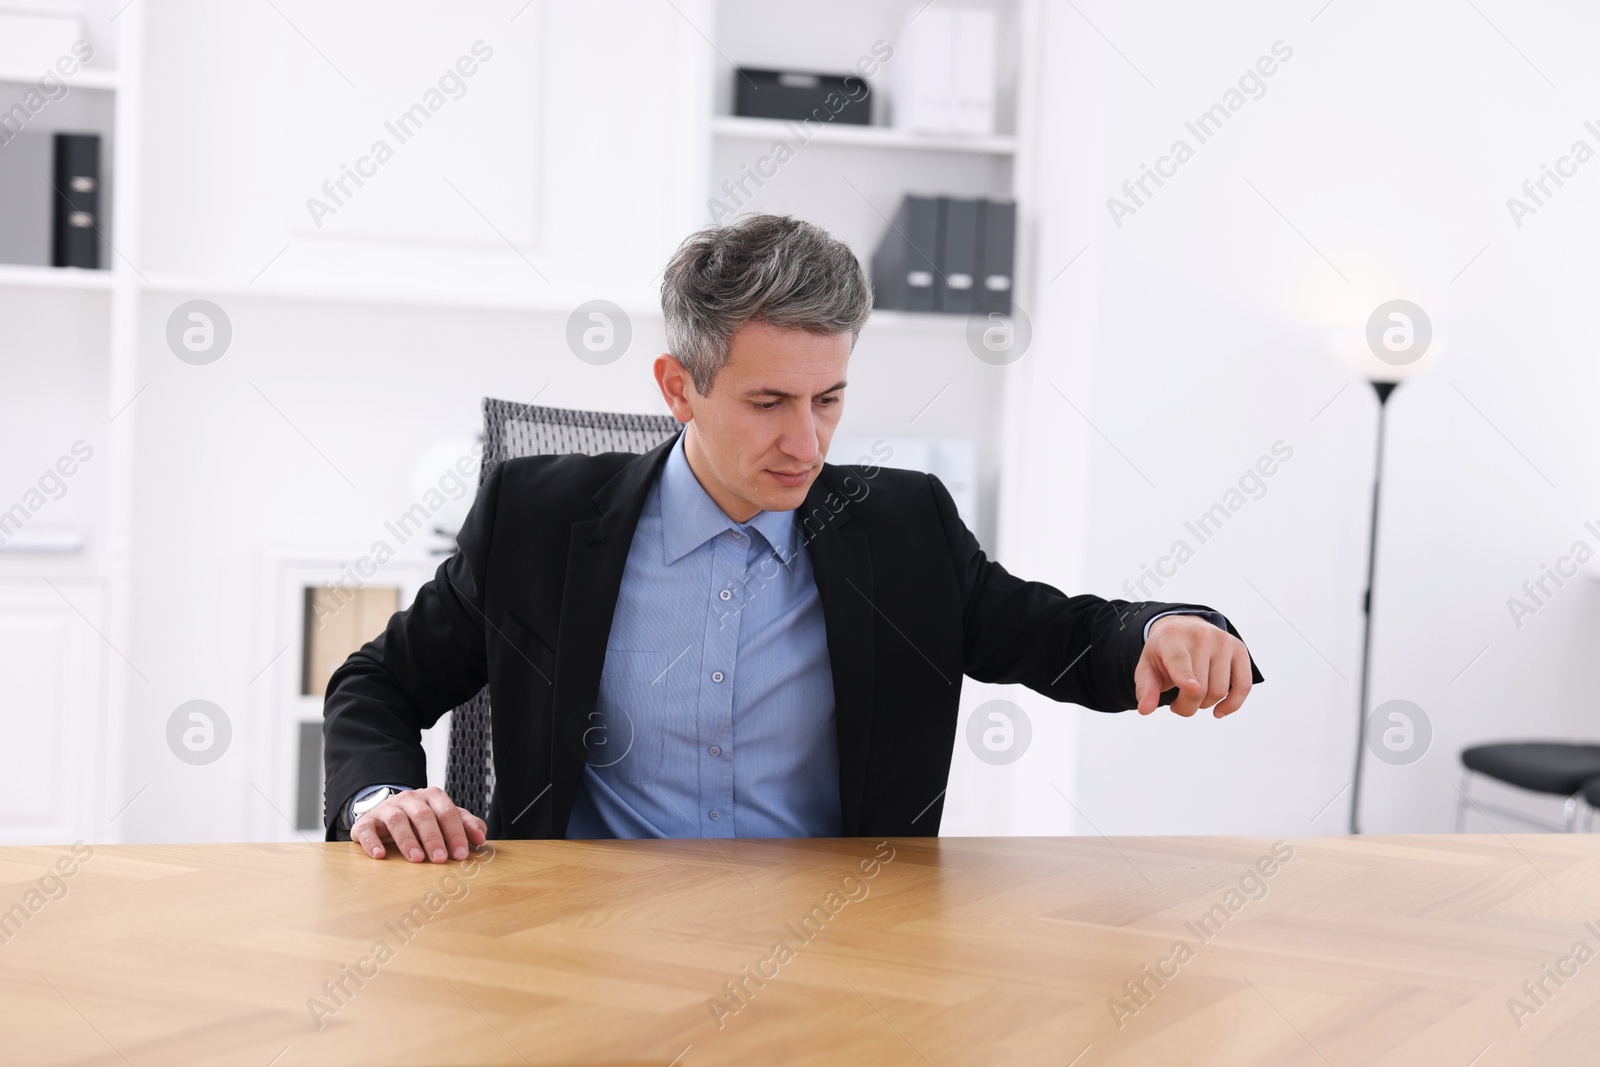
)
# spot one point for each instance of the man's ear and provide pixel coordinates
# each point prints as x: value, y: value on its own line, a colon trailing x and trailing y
x: 676, y: 386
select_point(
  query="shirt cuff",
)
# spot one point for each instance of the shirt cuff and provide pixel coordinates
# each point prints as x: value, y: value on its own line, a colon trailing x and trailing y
x: 1215, y: 618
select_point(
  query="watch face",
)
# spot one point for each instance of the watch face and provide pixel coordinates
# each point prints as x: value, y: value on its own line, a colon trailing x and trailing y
x: 366, y: 804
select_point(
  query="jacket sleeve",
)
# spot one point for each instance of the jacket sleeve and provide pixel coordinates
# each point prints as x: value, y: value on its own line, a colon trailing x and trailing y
x: 1079, y: 649
x: 430, y: 658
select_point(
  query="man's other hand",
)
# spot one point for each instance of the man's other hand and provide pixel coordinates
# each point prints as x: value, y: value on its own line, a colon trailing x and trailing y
x: 422, y: 824
x: 1206, y: 663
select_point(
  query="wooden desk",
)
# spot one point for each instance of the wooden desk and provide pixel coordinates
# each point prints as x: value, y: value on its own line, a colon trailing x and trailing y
x: 1371, y: 951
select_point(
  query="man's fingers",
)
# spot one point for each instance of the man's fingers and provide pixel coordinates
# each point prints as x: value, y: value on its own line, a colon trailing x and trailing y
x: 1187, y: 675
x: 365, y: 833
x: 426, y: 825
x: 398, y: 822
x: 1146, y: 686
x: 450, y: 825
x: 477, y: 829
x: 1241, y: 683
x: 1219, y: 676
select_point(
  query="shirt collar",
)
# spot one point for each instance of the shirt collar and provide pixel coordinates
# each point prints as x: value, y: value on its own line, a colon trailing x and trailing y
x: 690, y: 518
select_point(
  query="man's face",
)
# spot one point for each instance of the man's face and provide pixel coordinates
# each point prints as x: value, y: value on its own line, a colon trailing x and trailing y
x: 758, y: 440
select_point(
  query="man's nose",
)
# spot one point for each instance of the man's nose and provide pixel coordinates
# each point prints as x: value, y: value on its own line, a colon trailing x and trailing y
x: 799, y: 440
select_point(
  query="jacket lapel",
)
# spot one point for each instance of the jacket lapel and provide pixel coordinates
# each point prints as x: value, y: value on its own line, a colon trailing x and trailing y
x: 597, y: 554
x: 841, y: 564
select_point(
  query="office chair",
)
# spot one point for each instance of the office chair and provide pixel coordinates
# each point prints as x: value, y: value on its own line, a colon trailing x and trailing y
x: 511, y: 429
x: 1555, y: 768
x: 1590, y: 793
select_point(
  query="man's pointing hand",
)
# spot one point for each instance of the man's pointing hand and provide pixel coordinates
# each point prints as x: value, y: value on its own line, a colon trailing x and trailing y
x: 1206, y: 663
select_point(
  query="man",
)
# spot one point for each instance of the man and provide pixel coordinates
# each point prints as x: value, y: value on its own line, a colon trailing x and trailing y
x: 727, y: 636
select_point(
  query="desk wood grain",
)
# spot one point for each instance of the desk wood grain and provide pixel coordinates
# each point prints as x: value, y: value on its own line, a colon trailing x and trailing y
x: 1083, y: 951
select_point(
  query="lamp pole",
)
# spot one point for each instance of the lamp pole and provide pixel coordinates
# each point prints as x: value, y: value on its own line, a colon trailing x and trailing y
x: 1384, y: 390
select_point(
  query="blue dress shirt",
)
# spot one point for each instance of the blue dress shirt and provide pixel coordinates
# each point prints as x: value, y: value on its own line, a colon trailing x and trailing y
x: 715, y: 716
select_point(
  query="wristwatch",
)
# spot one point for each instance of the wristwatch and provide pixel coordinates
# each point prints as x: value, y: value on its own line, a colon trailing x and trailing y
x: 369, y: 799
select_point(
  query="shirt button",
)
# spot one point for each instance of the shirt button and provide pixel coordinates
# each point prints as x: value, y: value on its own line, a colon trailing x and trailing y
x: 716, y: 676
x: 715, y: 750
x: 714, y: 814
x: 725, y: 595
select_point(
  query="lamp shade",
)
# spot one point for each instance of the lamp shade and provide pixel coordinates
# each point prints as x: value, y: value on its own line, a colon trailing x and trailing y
x: 1396, y: 342
x: 1381, y: 315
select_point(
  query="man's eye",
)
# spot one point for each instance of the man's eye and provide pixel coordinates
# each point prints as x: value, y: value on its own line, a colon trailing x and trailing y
x: 829, y: 400
x: 768, y: 406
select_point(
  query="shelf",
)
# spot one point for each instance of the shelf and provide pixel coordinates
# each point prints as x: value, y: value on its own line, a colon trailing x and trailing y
x: 14, y: 275
x: 733, y: 126
x: 478, y: 298
x: 85, y: 78
x: 638, y: 305
x: 891, y: 319
x: 642, y: 304
x: 52, y: 542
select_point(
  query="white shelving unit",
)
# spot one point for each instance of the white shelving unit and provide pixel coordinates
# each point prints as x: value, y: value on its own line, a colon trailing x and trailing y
x: 850, y: 178
x: 75, y: 332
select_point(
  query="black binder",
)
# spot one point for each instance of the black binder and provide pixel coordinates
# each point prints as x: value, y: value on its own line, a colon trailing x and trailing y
x: 997, y: 226
x: 903, y: 269
x: 954, y: 285
x: 76, y: 241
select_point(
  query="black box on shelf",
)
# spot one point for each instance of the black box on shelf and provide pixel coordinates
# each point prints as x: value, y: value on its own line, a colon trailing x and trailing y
x: 799, y: 95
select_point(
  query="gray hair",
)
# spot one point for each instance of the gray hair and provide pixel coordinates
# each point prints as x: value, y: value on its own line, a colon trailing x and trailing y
x: 764, y: 268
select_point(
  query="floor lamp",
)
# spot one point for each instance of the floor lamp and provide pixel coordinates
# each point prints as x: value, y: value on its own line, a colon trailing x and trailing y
x: 1384, y: 389
x: 1398, y: 343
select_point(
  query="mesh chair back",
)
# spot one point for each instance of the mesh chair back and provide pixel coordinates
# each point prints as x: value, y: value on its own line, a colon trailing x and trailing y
x: 511, y: 429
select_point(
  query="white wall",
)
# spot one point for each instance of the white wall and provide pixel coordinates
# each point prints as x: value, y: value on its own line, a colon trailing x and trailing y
x: 1208, y: 316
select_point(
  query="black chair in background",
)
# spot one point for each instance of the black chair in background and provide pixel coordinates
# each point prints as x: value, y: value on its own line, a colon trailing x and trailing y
x: 1591, y: 800
x: 1555, y: 768
x: 511, y: 429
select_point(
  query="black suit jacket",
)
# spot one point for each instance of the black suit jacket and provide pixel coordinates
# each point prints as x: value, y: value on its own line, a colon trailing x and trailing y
x: 910, y: 602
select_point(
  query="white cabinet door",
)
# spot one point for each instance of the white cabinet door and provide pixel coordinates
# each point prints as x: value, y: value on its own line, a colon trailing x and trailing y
x: 51, y: 722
